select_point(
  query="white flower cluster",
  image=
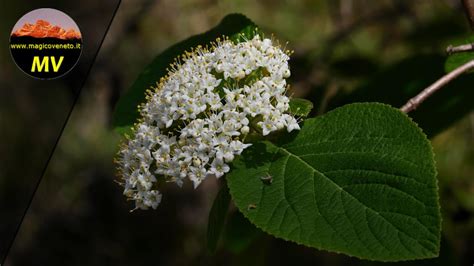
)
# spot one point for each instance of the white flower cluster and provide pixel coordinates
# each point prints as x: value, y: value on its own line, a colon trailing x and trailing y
x: 197, y: 119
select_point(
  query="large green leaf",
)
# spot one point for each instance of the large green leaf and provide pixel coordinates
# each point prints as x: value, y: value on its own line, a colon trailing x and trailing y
x: 360, y: 180
x: 235, y: 26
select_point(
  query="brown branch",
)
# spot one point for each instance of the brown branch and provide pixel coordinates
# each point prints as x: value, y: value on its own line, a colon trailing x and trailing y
x: 469, y: 9
x: 414, y: 102
x: 461, y: 48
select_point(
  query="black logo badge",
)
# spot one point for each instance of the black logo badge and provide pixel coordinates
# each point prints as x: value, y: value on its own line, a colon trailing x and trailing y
x: 46, y: 43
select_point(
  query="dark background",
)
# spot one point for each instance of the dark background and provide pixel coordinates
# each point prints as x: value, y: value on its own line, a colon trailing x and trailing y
x: 32, y: 111
x: 79, y: 217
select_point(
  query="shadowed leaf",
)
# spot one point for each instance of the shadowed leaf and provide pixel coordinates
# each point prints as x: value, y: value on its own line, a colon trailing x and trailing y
x: 217, y: 218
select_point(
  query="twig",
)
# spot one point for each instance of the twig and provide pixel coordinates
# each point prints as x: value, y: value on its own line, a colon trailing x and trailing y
x: 414, y: 102
x: 461, y: 48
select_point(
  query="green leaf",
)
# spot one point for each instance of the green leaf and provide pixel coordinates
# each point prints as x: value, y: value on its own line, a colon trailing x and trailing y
x: 217, y: 217
x: 456, y: 60
x: 236, y: 26
x: 360, y: 180
x: 300, y: 107
x: 446, y: 257
x: 239, y: 233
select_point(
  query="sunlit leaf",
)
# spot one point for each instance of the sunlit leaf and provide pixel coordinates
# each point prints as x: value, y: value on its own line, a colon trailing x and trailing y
x: 360, y: 180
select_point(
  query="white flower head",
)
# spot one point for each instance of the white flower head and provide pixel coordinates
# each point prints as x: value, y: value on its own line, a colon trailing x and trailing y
x: 196, y: 120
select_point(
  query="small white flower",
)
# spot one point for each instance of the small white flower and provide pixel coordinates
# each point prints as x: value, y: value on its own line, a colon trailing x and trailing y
x: 225, y: 153
x: 219, y: 168
x: 291, y: 123
x: 245, y: 130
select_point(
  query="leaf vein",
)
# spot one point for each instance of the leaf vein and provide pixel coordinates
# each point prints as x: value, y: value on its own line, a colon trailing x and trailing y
x: 303, y: 161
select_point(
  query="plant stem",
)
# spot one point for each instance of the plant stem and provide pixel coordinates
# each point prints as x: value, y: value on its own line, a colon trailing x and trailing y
x: 414, y: 102
x: 461, y: 48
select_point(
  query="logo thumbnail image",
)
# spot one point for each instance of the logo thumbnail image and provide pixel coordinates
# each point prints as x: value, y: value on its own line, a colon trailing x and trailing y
x: 46, y: 43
